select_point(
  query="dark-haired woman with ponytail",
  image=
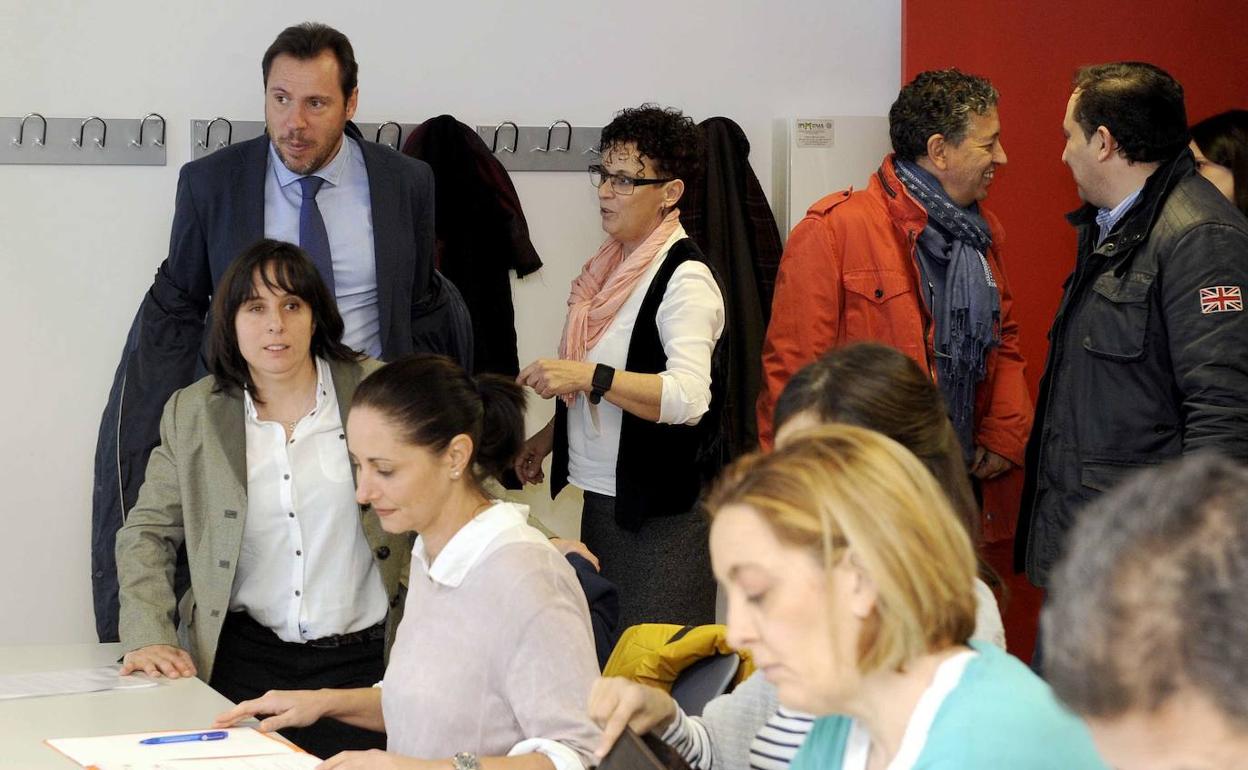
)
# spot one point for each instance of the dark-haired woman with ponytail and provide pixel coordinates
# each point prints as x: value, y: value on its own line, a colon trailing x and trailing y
x: 498, y: 654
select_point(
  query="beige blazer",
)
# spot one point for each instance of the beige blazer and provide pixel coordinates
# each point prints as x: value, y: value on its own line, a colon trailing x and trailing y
x: 195, y: 492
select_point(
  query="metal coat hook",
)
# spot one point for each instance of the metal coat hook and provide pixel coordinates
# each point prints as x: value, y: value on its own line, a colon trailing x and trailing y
x: 398, y: 140
x: 21, y: 130
x: 550, y: 132
x: 82, y: 127
x: 592, y: 151
x: 158, y: 142
x: 229, y: 133
x: 515, y: 139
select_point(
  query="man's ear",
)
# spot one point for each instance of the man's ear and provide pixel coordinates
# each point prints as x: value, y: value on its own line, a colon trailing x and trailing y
x: 937, y: 149
x: 353, y: 101
x: 1108, y: 145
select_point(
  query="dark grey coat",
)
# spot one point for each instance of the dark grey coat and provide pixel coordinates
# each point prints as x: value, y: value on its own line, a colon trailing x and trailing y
x: 1137, y: 371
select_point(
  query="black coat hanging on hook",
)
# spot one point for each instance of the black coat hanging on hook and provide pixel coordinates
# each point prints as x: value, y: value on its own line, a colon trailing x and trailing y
x: 482, y: 234
x: 725, y: 212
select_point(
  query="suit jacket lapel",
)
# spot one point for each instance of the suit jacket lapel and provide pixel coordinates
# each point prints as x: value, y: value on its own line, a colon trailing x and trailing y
x: 383, y: 193
x: 346, y: 377
x: 255, y: 166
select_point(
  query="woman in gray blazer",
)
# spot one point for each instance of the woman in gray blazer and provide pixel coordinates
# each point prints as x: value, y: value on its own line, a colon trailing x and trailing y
x: 292, y: 583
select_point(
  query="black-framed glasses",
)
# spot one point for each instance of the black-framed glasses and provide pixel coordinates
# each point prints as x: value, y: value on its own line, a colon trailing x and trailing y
x: 620, y: 185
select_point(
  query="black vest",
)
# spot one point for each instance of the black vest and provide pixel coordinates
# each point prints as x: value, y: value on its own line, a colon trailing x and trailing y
x: 661, y: 469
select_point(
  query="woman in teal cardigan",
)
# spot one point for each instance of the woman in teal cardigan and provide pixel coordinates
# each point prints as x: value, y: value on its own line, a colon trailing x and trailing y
x: 849, y: 579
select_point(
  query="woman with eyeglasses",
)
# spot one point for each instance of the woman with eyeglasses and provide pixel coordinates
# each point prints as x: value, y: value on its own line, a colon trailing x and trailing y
x: 639, y: 378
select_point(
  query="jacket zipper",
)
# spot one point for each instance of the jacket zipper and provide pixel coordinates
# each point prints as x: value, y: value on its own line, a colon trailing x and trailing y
x: 1056, y: 352
x: 927, y: 317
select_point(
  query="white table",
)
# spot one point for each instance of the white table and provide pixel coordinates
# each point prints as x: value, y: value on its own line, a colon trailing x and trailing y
x: 183, y: 704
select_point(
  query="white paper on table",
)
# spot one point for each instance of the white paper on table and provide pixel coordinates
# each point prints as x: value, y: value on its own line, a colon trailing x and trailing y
x: 124, y: 752
x: 80, y: 680
x: 269, y: 762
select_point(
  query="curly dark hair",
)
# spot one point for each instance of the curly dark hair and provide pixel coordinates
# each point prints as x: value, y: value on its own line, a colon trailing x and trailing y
x: 937, y: 102
x: 664, y: 134
x: 1140, y: 104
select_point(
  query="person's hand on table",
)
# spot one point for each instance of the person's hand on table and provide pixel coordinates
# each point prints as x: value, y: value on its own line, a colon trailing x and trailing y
x: 281, y: 709
x: 616, y: 703
x: 159, y: 660
x: 566, y: 547
x: 550, y: 377
x: 375, y: 759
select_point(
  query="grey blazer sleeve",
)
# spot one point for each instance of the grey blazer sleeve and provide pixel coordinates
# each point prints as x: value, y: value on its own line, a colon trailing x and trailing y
x: 147, y: 546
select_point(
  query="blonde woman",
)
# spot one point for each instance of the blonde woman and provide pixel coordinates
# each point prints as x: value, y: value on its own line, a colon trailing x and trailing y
x: 849, y: 579
x: 865, y: 384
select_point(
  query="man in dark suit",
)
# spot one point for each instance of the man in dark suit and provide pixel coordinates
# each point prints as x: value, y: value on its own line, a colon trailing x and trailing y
x: 363, y: 212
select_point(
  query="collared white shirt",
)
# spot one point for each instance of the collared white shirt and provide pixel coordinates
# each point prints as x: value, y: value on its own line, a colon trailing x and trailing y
x: 690, y: 320
x: 305, y: 569
x: 347, y: 207
x: 500, y: 524
x: 858, y: 744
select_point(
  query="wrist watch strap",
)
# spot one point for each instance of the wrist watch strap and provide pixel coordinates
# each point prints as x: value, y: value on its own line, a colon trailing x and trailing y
x: 603, y: 377
x: 465, y: 761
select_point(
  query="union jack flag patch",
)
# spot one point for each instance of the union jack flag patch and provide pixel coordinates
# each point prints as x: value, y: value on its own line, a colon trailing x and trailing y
x: 1221, y: 299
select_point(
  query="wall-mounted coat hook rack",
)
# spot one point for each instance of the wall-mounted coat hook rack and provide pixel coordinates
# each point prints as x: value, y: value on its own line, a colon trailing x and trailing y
x: 37, y: 140
x: 559, y: 146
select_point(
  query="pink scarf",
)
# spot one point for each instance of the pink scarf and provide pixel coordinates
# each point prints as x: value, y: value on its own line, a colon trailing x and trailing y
x: 605, y: 283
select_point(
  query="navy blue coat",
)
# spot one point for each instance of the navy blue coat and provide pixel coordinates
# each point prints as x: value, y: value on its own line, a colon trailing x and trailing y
x: 219, y: 212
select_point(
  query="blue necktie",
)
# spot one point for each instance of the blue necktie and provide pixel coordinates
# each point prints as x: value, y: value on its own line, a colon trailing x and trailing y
x: 313, y: 238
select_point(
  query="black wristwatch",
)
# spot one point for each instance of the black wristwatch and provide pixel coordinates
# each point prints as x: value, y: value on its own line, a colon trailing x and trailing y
x: 603, y: 377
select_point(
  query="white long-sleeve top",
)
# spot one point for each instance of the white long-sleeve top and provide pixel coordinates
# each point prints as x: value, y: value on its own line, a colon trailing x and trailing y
x: 690, y: 320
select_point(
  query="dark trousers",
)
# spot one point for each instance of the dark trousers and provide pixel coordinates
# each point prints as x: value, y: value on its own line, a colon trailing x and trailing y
x: 251, y: 660
x: 663, y: 572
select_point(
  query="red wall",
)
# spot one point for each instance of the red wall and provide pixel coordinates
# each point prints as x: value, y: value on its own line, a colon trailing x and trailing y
x: 1030, y: 51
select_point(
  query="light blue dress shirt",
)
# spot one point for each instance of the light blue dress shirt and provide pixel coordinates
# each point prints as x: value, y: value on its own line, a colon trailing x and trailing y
x: 1107, y: 218
x: 348, y: 213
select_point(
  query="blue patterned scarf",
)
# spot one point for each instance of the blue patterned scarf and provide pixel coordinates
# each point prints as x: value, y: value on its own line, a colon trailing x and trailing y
x: 962, y: 293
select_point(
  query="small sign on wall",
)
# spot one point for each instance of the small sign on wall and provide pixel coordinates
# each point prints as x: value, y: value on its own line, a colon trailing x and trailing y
x: 815, y: 132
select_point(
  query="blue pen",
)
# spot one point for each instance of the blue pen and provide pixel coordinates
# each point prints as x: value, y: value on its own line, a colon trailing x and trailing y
x: 214, y: 735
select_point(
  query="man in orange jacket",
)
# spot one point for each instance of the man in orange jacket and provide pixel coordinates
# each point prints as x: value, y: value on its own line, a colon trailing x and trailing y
x: 913, y: 262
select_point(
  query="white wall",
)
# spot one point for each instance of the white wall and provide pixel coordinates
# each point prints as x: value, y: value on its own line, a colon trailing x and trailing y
x: 78, y: 245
